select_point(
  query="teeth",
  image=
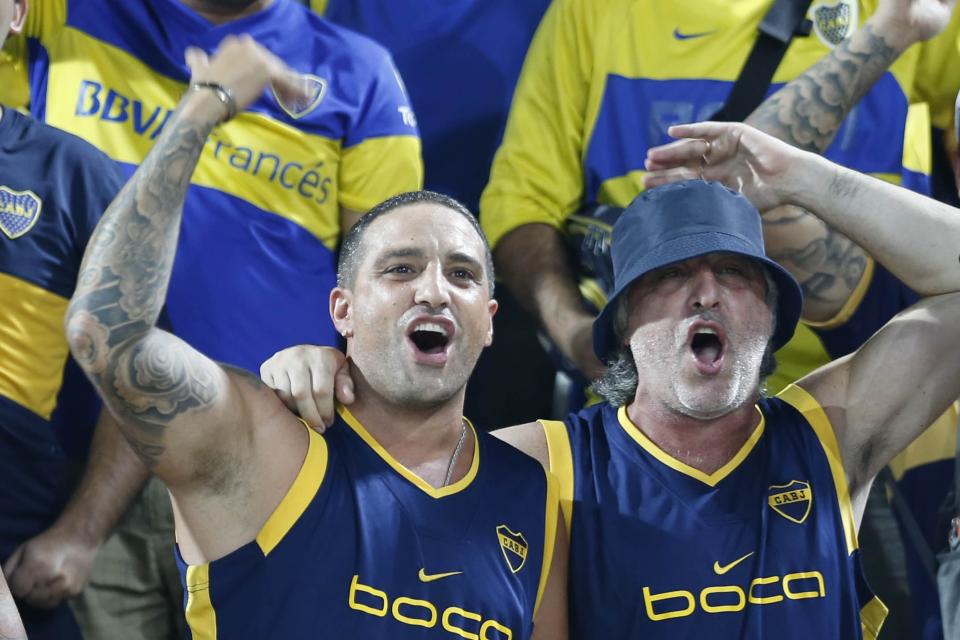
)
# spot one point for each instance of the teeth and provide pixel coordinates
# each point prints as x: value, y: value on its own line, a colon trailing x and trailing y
x: 707, y: 330
x: 432, y: 326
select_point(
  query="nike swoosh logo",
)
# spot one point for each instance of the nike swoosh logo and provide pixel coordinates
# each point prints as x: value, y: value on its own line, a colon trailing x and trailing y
x: 425, y: 577
x: 717, y: 569
x: 690, y: 36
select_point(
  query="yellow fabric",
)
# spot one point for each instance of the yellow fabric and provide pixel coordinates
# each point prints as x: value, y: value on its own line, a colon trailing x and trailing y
x: 319, y: 6
x: 298, y: 496
x: 811, y: 410
x: 200, y: 613
x: 918, y: 147
x: 45, y: 19
x: 33, y: 348
x: 365, y: 180
x: 561, y: 465
x: 266, y: 162
x: 14, y: 84
x: 938, y: 71
x: 550, y: 537
x: 537, y: 175
x: 872, y: 616
x: 937, y: 443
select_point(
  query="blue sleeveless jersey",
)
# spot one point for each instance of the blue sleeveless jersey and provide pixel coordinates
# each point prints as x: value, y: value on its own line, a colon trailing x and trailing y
x: 765, y: 547
x: 362, y: 548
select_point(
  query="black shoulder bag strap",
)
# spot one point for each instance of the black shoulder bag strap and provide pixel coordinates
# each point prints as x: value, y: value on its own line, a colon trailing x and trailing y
x: 914, y: 535
x: 785, y: 19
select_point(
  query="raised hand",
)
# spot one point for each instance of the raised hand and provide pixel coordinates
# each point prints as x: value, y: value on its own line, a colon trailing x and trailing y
x: 244, y: 68
x: 733, y: 153
x: 912, y: 21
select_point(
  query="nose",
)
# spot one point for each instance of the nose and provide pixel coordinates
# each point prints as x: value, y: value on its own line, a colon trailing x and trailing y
x: 704, y: 289
x: 432, y: 287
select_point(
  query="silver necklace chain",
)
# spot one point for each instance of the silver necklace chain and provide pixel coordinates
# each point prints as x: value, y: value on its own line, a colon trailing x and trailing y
x: 456, y: 453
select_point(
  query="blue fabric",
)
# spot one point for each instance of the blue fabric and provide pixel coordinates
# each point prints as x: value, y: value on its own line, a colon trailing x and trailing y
x: 648, y: 542
x: 369, y: 527
x: 460, y: 61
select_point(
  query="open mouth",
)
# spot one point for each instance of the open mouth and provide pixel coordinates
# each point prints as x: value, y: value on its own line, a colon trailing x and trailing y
x: 707, y: 346
x: 430, y: 340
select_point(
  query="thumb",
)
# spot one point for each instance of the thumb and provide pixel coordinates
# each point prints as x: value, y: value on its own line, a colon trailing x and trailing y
x: 343, y: 383
x: 196, y: 59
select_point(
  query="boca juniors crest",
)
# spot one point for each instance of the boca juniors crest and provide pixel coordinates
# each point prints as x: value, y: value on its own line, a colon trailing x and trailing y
x: 792, y: 500
x: 19, y: 211
x: 298, y: 106
x: 514, y: 547
x: 834, y: 21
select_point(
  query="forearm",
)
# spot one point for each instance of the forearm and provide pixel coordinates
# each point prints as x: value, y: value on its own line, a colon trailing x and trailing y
x: 126, y: 267
x: 807, y: 113
x: 113, y: 476
x: 916, y: 238
x: 809, y: 110
x: 532, y: 260
x: 10, y: 626
x: 146, y: 376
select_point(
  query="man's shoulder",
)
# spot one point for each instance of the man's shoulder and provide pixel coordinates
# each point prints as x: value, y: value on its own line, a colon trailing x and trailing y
x: 62, y: 155
x: 39, y: 137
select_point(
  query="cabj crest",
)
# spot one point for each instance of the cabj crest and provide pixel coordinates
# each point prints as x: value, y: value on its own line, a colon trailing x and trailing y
x: 834, y: 21
x: 514, y: 547
x: 296, y: 106
x: 19, y: 211
x: 792, y: 500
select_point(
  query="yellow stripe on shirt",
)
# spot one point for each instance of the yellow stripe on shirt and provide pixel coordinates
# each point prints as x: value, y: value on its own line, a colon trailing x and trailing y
x: 33, y: 348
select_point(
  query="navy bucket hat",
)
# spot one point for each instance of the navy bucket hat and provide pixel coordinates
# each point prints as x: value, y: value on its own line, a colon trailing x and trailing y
x: 686, y: 220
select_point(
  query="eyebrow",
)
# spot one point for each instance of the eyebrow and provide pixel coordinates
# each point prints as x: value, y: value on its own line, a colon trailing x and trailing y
x: 458, y: 257
x: 393, y: 254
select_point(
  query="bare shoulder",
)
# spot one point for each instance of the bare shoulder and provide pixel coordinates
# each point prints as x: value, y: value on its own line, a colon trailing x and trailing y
x: 528, y: 438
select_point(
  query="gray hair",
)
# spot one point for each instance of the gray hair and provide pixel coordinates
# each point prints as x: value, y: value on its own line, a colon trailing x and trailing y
x: 618, y: 385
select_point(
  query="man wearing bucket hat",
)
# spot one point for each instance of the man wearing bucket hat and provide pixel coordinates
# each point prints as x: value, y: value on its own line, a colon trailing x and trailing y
x: 693, y: 502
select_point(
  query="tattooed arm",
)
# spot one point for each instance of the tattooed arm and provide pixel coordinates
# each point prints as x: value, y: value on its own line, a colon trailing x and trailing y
x: 807, y: 113
x: 191, y: 421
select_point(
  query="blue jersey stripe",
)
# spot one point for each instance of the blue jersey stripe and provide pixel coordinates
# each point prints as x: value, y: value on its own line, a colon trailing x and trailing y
x: 635, y: 114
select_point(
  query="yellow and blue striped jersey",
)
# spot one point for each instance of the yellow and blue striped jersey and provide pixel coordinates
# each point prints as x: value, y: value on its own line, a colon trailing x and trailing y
x: 53, y: 189
x: 361, y: 548
x: 764, y: 547
x: 256, y: 256
x: 604, y: 79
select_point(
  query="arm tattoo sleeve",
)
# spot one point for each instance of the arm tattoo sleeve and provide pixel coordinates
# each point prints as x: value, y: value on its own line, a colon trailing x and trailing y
x: 147, y: 376
x: 808, y: 111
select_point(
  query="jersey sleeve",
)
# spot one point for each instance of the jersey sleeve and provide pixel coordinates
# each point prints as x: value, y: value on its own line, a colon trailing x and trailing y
x: 98, y: 182
x: 938, y: 73
x: 381, y: 154
x: 45, y: 19
x: 537, y: 175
